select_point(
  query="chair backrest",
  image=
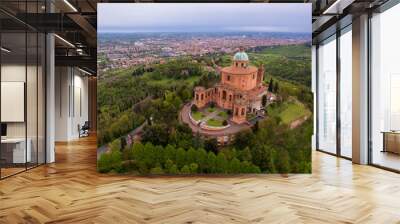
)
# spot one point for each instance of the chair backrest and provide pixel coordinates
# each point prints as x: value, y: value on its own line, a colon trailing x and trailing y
x: 86, y: 125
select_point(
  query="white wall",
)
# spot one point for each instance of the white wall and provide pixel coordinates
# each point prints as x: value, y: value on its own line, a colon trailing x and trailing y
x: 62, y: 82
x: 71, y: 102
x: 80, y: 110
x: 33, y: 126
x: 16, y: 73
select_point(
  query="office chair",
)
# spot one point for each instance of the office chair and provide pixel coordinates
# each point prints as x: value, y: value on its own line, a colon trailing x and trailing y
x: 84, y: 130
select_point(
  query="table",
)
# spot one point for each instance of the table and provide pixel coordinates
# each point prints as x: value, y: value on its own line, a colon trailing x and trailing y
x: 13, y: 150
x: 391, y: 141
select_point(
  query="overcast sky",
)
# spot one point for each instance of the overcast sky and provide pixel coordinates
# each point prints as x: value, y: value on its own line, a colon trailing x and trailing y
x: 201, y: 17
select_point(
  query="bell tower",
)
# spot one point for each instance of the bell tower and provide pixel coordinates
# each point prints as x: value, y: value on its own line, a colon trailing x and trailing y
x: 239, y: 111
x: 200, y: 96
x: 260, y: 75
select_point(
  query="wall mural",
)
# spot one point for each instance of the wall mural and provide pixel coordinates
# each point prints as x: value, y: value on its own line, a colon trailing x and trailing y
x: 204, y: 88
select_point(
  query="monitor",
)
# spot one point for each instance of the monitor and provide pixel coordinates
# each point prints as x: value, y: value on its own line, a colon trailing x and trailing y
x: 3, y: 129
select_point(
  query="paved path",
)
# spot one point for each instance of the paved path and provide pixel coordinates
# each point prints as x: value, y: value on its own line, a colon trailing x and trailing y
x: 210, y: 115
x: 104, y: 148
x: 298, y: 122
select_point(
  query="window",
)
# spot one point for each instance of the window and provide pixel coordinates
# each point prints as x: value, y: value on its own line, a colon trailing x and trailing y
x: 22, y: 67
x: 242, y: 111
x: 327, y: 95
x: 224, y: 95
x: 346, y: 93
x: 385, y: 89
x: 197, y: 96
x: 228, y: 77
x: 202, y: 97
x: 333, y: 106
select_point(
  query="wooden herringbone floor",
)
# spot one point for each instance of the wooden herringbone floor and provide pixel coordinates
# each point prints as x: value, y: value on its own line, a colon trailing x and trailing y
x: 70, y: 191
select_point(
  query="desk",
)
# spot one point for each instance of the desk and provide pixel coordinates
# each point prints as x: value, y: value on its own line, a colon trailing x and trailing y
x: 13, y: 150
x: 391, y: 141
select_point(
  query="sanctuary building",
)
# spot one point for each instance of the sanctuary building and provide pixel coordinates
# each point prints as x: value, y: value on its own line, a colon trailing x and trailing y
x: 240, y: 89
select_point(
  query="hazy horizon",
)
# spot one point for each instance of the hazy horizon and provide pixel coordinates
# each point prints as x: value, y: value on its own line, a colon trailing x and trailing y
x: 203, y: 17
x: 201, y: 32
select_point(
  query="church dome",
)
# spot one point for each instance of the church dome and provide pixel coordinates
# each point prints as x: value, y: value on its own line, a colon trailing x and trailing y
x: 241, y: 56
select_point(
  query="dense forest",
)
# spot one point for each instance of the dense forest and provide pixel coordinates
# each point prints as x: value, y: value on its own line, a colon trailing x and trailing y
x: 121, y: 91
x: 269, y: 147
x: 155, y: 94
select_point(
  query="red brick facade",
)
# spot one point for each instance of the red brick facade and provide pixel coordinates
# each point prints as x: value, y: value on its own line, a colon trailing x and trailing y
x: 240, y: 90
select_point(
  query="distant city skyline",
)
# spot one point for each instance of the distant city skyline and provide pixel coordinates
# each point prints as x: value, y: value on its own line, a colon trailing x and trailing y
x: 203, y: 17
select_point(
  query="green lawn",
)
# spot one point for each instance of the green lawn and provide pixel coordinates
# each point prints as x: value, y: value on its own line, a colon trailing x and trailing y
x: 289, y: 111
x: 210, y: 110
x: 215, y: 123
x: 223, y: 115
x: 198, y: 115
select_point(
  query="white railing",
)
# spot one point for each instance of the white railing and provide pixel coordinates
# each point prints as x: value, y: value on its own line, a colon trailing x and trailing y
x: 213, y: 128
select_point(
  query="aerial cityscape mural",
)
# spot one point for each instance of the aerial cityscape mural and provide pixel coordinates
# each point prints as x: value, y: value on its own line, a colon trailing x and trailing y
x: 204, y: 88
